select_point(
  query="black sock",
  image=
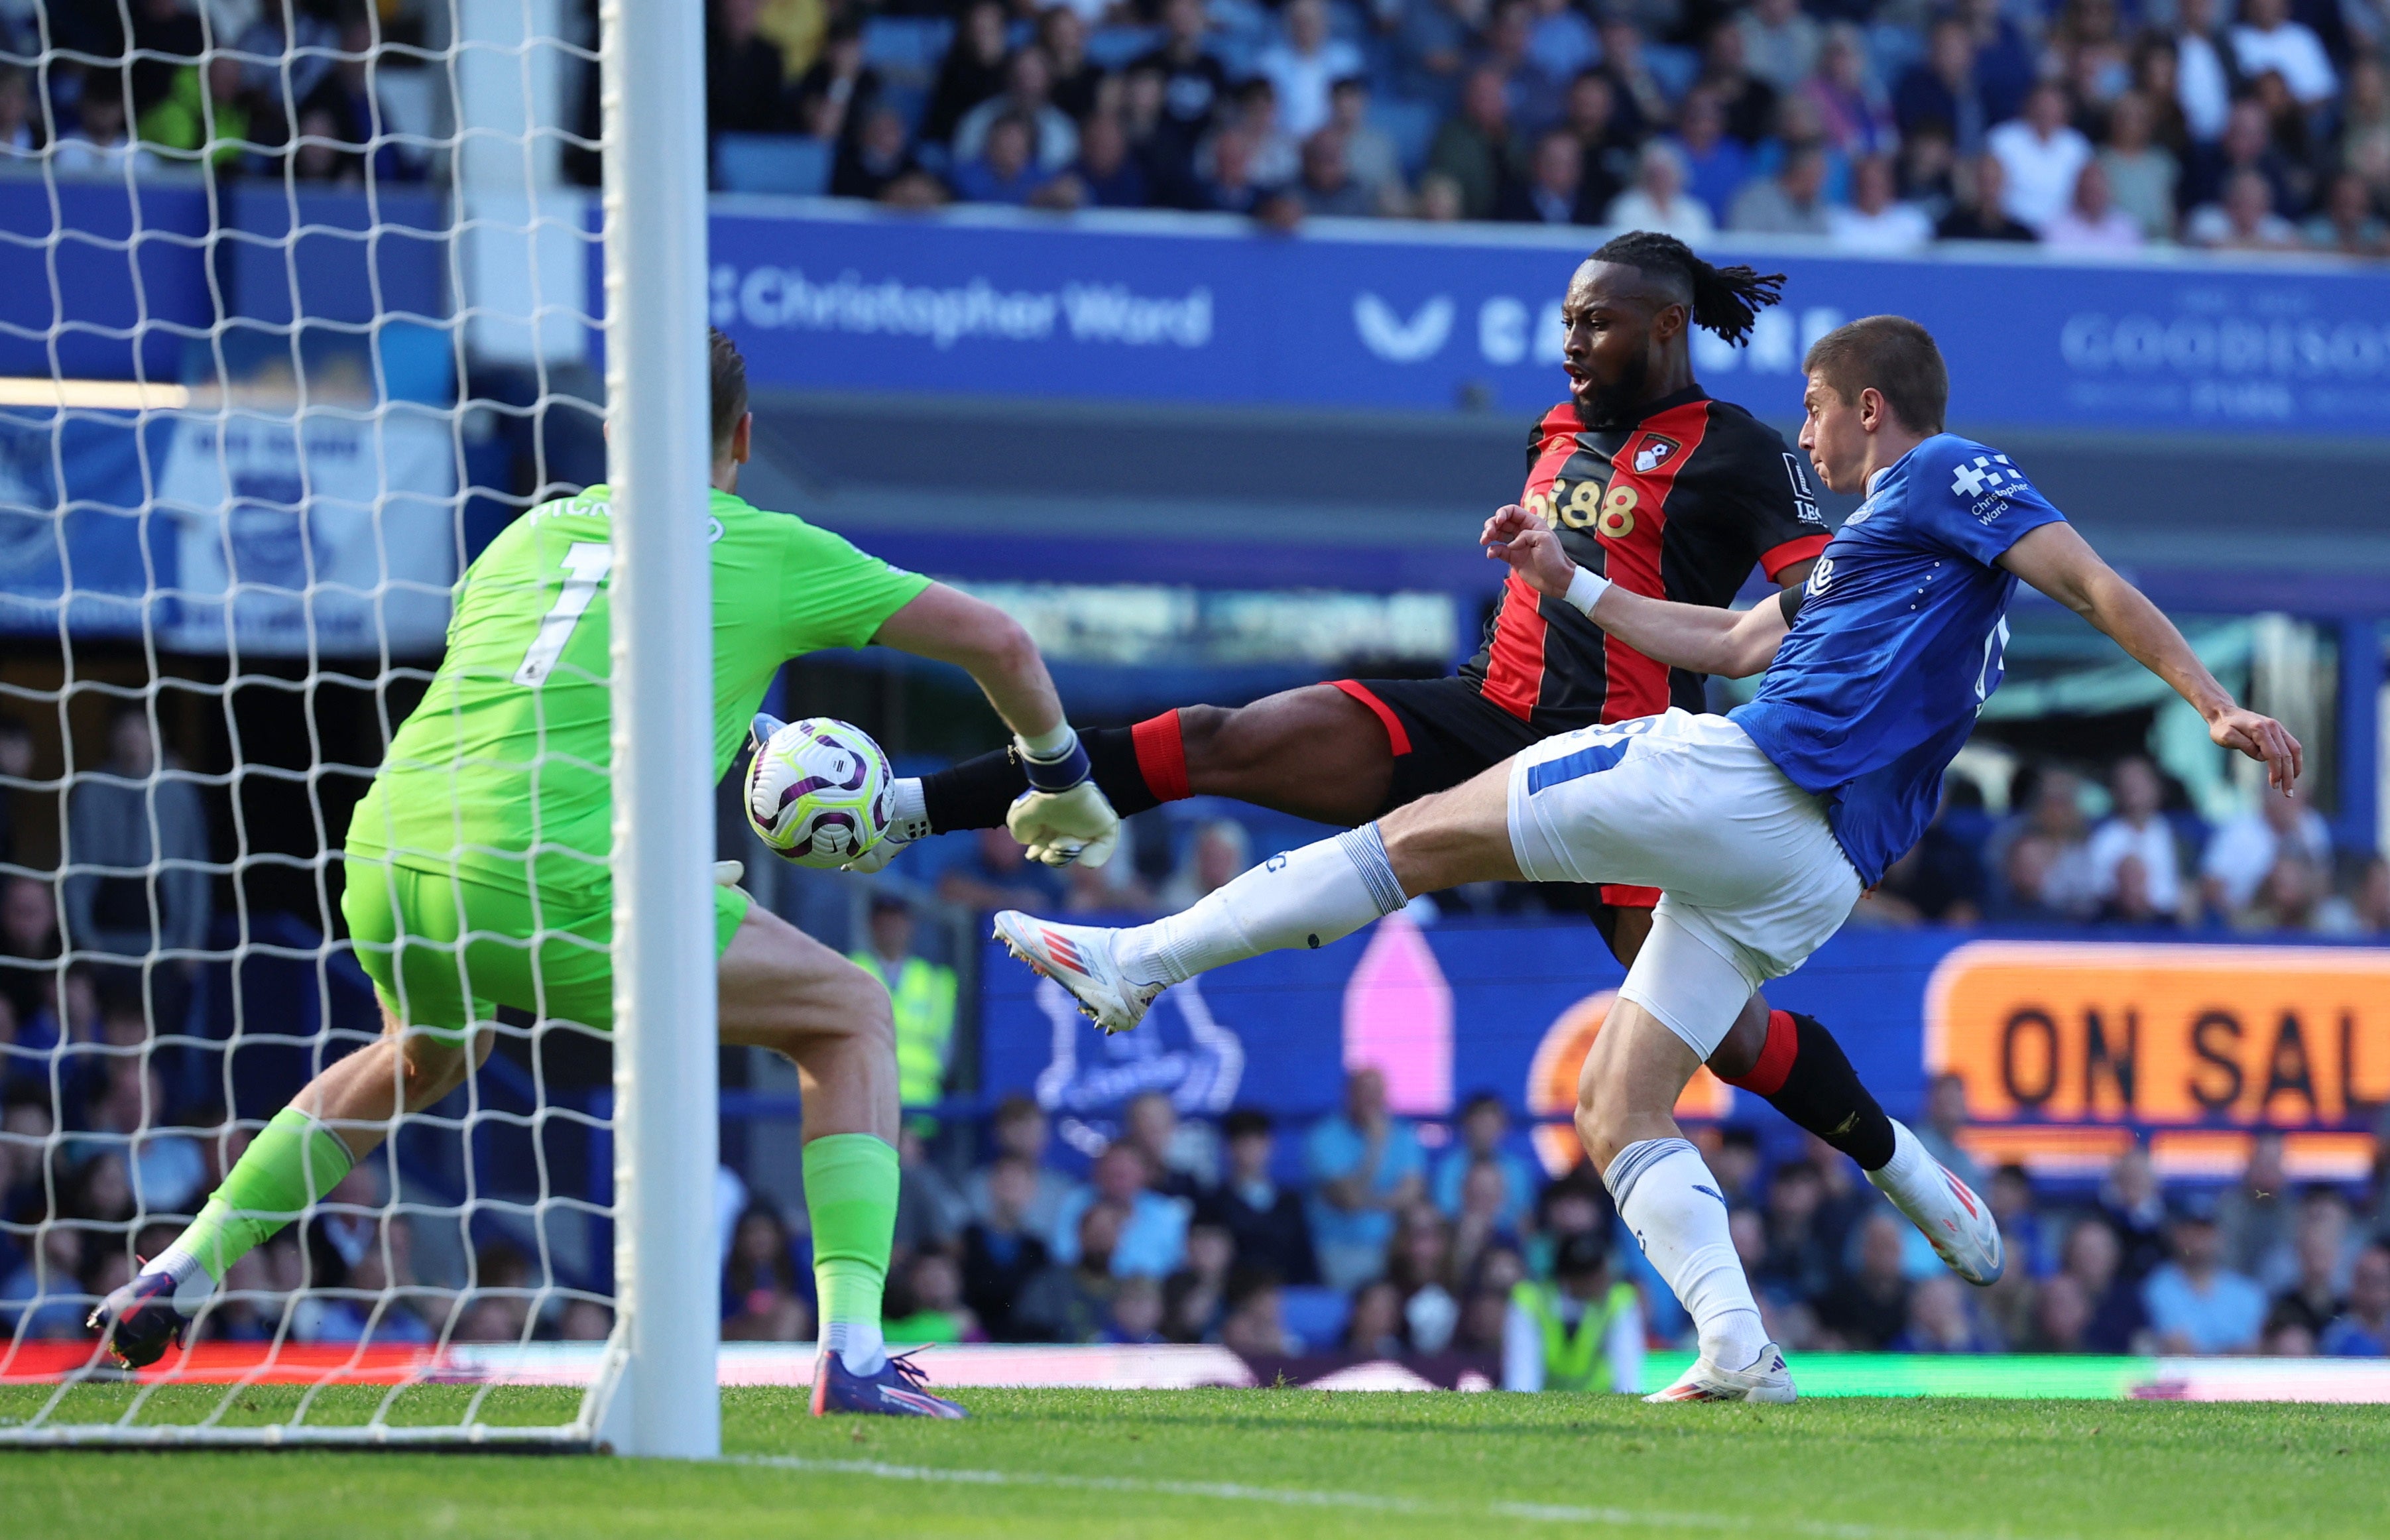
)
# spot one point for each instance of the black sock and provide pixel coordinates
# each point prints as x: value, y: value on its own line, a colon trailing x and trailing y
x: 1822, y: 1093
x: 979, y: 792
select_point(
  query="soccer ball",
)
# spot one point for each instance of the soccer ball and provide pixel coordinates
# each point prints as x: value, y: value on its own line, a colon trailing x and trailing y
x: 818, y: 793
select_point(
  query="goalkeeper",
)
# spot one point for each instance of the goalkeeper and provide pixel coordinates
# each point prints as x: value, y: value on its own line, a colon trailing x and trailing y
x: 479, y: 876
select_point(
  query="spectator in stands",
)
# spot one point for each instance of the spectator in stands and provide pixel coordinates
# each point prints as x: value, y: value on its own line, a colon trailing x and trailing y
x: 1327, y: 186
x: 20, y: 130
x: 839, y: 88
x: 1028, y: 95
x: 1984, y: 214
x: 2370, y: 903
x: 1875, y: 222
x: 1219, y: 850
x: 1485, y: 1127
x: 1561, y: 44
x: 1792, y: 202
x: 2061, y: 1316
x: 1592, y: 112
x: 1851, y: 107
x: 1001, y: 876
x: 1071, y: 1301
x: 2364, y: 146
x: 2005, y: 65
x: 974, y: 71
x: 760, y: 1301
x: 1869, y: 1306
x: 1107, y: 175
x: 1658, y: 201
x: 930, y: 1303
x: 2043, y: 155
x: 1278, y: 157
x: 98, y: 145
x: 2091, y: 221
x: 210, y: 104
x: 2267, y: 39
x: 2254, y: 1215
x: 1305, y: 65
x: 2051, y: 812
x: 1781, y: 42
x: 2310, y: 1289
x: 1077, y: 79
x: 2142, y: 174
x: 1582, y: 1331
x: 930, y: 1212
x: 746, y: 80
x: 1152, y: 1238
x: 1748, y: 101
x: 1375, y: 1326
x: 1005, y: 169
x: 44, y: 1300
x: 1643, y: 103
x: 921, y: 996
x: 1534, y: 92
x: 1799, y: 1260
x: 1020, y: 1129
x: 1939, y: 880
x: 1195, y: 87
x: 1944, y: 1119
x: 2347, y: 222
x: 2245, y: 848
x: 1431, y: 40
x: 1371, y: 158
x: 2138, y: 829
x: 1181, y: 1158
x: 878, y: 162
x: 1553, y: 192
x: 1714, y: 164
x: 1002, y: 1250
x: 1227, y: 182
x: 2089, y: 50
x: 109, y: 821
x: 1942, y: 89
x: 164, y: 31
x: 168, y: 1170
x: 1265, y: 1221
x: 29, y: 945
x: 2195, y: 1304
x: 1136, y: 1313
x: 1474, y: 145
x: 352, y: 111
x: 1254, y: 1325
x: 2247, y: 145
x: 1941, y: 1320
x: 1419, y: 1263
x: 2363, y: 1327
x: 2296, y: 895
x: 1364, y: 1166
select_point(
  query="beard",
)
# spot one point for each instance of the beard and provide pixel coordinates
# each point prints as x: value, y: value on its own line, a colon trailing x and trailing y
x: 1617, y: 399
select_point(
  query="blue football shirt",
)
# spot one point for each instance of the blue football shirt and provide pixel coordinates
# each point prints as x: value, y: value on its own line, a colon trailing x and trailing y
x: 1898, y: 644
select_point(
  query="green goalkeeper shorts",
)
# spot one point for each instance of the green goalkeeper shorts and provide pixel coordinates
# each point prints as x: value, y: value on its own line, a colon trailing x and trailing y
x: 444, y: 953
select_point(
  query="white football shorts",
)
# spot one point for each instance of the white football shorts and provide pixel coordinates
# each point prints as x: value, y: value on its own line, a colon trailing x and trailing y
x: 1751, y: 878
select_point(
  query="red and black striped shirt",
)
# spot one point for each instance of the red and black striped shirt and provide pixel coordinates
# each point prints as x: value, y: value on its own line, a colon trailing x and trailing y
x: 1679, y: 504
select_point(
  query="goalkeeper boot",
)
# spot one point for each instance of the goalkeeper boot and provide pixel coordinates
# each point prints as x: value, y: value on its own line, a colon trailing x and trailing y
x: 1079, y: 959
x: 1958, y: 1223
x: 140, y: 1321
x: 1766, y: 1380
x: 896, y: 1390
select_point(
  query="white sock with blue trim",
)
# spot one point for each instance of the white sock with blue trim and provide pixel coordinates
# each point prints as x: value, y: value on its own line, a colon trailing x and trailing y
x: 1674, y: 1209
x: 1307, y: 897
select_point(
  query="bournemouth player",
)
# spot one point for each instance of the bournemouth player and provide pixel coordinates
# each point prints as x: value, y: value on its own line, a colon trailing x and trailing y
x: 1641, y: 477
x: 479, y: 876
x: 1761, y: 827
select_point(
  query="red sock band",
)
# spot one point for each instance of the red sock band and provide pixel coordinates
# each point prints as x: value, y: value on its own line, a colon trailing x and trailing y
x: 1161, y: 756
x: 1776, y: 1056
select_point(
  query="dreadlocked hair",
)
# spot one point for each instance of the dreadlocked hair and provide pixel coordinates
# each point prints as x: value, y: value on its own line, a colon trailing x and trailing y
x: 1726, y: 299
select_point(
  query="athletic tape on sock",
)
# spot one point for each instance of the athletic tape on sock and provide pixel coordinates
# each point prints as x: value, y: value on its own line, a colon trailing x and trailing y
x: 1368, y: 849
x: 1630, y: 1163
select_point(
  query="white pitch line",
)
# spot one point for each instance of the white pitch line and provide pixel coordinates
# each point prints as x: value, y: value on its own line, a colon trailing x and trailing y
x: 1371, y: 1502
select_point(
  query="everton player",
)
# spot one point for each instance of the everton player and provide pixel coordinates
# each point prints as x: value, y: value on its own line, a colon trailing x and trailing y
x: 1641, y: 477
x: 1762, y: 826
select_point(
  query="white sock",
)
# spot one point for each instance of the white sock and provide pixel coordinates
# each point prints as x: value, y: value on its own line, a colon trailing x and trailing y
x: 858, y: 1346
x: 1672, y: 1204
x: 193, y: 1282
x: 1911, y: 1171
x: 908, y: 816
x: 1307, y: 897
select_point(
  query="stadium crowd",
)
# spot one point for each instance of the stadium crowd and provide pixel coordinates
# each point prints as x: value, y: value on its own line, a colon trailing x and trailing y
x: 1878, y: 125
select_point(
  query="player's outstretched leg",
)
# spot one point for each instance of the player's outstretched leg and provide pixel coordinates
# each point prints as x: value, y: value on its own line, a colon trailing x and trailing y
x: 333, y: 1123
x: 784, y: 990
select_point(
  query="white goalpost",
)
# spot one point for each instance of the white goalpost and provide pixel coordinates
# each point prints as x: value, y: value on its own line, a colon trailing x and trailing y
x: 277, y: 357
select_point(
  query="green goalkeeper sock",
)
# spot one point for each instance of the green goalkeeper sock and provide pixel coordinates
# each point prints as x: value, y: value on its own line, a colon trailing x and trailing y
x: 294, y: 1162
x: 851, y: 1183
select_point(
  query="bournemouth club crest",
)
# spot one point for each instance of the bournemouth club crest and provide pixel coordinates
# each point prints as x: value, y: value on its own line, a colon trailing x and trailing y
x: 1655, y: 452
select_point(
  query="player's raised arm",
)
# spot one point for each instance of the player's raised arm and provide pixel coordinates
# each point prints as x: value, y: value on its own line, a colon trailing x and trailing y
x: 1063, y: 817
x: 1696, y: 636
x: 2060, y: 563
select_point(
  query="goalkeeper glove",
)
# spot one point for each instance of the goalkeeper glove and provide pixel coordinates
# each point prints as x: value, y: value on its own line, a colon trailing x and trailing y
x: 1064, y: 816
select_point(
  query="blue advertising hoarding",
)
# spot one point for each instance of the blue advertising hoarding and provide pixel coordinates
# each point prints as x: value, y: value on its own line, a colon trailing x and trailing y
x: 1200, y: 308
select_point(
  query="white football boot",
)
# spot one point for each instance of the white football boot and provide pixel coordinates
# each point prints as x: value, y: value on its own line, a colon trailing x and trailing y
x: 1957, y: 1223
x: 1766, y: 1380
x: 1079, y: 957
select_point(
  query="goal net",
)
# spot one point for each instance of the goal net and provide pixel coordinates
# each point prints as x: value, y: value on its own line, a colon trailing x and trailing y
x: 299, y: 305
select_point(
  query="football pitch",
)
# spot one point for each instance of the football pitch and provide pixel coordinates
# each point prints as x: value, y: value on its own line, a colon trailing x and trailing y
x: 1300, y: 1464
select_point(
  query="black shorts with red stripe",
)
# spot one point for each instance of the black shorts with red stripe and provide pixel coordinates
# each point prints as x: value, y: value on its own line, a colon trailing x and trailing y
x: 1442, y: 732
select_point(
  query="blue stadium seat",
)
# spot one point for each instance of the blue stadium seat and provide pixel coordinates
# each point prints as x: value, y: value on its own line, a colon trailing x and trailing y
x: 1316, y: 1314
x: 909, y: 49
x: 1411, y: 124
x: 772, y: 163
x: 1118, y: 47
x: 909, y: 100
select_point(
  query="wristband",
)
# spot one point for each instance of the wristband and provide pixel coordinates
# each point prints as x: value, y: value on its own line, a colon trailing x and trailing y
x: 1585, y: 591
x: 1061, y: 766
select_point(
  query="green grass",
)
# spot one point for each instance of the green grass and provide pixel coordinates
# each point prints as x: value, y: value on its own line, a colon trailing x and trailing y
x: 1255, y: 1465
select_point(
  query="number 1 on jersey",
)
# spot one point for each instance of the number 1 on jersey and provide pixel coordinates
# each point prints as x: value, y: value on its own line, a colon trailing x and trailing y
x: 586, y: 562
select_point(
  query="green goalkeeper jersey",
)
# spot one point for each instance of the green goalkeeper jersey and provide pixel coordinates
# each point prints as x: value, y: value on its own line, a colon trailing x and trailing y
x: 502, y: 774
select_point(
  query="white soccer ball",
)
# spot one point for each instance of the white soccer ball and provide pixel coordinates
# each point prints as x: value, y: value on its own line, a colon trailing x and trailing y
x: 818, y: 793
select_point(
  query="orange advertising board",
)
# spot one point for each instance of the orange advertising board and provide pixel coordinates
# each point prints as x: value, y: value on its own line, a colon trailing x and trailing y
x: 2163, y: 1033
